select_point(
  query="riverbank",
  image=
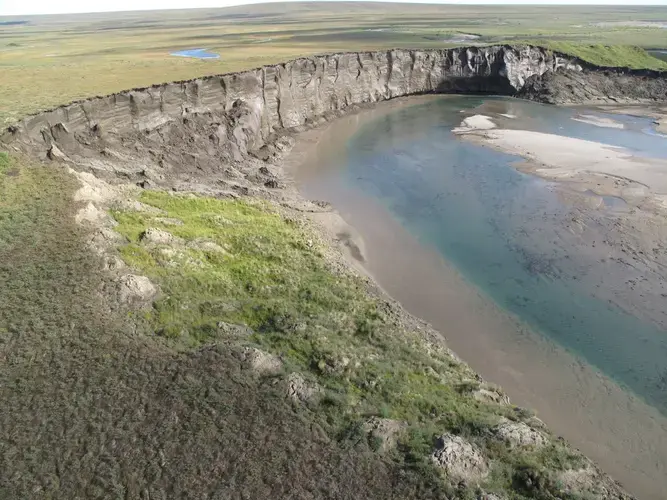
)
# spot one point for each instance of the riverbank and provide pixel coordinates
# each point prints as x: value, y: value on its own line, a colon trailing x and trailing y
x: 230, y: 317
x: 217, y: 223
x: 623, y: 434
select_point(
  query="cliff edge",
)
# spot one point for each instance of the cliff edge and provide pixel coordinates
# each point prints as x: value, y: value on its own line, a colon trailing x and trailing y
x: 252, y: 106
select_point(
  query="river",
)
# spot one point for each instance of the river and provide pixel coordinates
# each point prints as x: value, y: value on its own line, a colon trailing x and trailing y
x: 487, y: 254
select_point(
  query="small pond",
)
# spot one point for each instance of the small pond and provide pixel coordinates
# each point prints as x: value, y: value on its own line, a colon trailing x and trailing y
x: 196, y: 53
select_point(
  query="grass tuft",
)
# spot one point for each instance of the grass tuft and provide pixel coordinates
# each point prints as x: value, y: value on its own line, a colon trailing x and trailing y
x: 5, y: 162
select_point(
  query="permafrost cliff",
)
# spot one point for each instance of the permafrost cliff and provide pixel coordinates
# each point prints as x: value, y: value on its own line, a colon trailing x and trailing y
x: 262, y: 101
x: 219, y: 119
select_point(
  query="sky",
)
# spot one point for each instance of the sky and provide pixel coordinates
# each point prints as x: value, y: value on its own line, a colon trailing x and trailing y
x: 27, y: 7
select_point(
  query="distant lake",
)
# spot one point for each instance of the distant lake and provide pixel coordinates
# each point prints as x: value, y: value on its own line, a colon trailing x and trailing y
x: 196, y: 53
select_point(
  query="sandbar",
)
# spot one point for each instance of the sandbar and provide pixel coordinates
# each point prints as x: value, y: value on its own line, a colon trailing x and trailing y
x: 598, y: 121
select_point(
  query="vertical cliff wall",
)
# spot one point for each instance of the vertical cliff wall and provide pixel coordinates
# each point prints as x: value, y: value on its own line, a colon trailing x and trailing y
x: 242, y: 112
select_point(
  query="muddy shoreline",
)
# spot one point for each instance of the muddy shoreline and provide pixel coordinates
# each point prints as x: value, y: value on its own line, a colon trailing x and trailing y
x: 624, y: 435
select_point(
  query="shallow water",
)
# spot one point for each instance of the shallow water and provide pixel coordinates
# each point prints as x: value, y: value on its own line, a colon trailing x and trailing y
x: 493, y: 223
x: 608, y: 201
x: 477, y: 210
x: 196, y: 53
x: 637, y: 134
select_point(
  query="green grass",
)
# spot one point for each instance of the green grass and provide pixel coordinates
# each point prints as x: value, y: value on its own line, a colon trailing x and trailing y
x: 5, y: 162
x: 273, y: 277
x: 95, y: 405
x: 610, y: 55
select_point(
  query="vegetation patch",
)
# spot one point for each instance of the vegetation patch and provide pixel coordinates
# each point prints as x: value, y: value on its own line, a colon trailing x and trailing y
x: 622, y: 56
x: 94, y: 405
x: 241, y: 262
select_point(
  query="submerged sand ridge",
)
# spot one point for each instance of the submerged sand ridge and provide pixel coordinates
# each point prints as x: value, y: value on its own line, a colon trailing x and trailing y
x: 566, y: 158
x: 625, y: 243
x: 662, y: 125
x: 600, y: 122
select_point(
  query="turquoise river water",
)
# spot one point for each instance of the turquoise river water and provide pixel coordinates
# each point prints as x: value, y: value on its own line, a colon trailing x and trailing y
x: 469, y: 202
x: 470, y: 205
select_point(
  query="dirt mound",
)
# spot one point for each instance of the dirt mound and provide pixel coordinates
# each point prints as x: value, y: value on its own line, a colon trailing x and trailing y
x: 384, y: 431
x: 460, y: 459
x: 519, y: 434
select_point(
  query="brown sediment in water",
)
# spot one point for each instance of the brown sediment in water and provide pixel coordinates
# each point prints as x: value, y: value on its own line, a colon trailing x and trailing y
x: 627, y: 437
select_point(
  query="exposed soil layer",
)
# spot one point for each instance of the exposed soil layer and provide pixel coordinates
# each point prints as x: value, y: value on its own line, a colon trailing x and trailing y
x: 597, y: 86
x: 213, y: 125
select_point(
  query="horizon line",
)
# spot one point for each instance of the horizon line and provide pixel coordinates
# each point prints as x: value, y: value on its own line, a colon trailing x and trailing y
x: 462, y: 3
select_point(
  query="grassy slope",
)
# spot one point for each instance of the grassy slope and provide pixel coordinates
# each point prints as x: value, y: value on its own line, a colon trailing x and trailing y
x: 272, y: 277
x: 610, y: 55
x: 96, y: 406
x: 53, y: 60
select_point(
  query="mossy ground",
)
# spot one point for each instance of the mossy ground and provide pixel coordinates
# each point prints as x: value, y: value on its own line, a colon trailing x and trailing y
x: 96, y: 405
x: 36, y: 265
x: 270, y: 274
